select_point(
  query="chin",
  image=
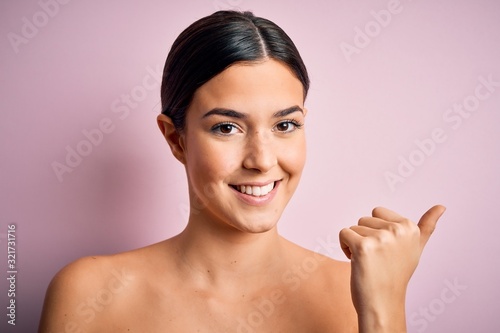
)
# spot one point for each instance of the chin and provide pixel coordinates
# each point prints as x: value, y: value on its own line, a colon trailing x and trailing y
x: 256, y: 227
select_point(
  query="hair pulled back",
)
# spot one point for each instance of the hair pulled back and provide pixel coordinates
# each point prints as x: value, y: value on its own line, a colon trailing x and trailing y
x: 212, y: 44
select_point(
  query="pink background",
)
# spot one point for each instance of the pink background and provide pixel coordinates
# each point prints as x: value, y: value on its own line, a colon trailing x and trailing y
x: 366, y: 112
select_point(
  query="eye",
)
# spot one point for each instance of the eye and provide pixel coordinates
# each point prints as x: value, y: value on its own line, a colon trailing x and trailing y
x: 224, y: 129
x: 287, y: 126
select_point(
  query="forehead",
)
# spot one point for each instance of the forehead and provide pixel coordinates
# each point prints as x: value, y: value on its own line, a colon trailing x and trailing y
x: 267, y: 85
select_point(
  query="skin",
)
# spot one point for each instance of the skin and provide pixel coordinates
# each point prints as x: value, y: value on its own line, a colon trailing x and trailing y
x: 230, y: 270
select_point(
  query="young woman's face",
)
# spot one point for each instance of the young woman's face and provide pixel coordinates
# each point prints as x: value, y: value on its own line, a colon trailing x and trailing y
x: 244, y: 146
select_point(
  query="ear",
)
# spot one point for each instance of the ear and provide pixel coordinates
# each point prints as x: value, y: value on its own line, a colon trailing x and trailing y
x: 174, y: 138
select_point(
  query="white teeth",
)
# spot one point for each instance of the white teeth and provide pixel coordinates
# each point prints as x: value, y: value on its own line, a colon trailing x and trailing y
x: 256, y: 191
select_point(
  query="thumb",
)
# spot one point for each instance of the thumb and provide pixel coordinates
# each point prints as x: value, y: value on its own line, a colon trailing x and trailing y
x: 427, y: 223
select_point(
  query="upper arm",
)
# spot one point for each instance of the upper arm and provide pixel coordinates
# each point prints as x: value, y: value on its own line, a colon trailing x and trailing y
x: 67, y: 296
x: 339, y: 303
x: 347, y: 309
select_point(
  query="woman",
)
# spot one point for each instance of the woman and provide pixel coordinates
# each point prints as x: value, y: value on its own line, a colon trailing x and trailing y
x: 233, y: 96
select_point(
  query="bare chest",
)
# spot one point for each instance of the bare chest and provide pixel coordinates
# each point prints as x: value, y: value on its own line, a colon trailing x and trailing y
x: 274, y: 311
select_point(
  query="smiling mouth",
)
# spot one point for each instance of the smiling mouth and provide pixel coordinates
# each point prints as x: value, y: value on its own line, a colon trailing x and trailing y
x: 256, y: 191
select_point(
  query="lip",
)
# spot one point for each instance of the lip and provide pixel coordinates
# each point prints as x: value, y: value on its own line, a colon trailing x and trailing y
x: 257, y: 201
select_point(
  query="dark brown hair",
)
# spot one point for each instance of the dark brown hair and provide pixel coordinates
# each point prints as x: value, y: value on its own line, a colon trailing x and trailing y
x: 212, y: 44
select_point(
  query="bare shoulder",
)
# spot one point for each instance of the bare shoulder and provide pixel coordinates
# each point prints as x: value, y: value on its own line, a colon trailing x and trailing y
x: 319, y: 265
x: 90, y: 288
x: 324, y: 284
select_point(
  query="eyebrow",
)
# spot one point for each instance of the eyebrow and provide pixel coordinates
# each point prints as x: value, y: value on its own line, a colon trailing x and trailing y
x: 240, y: 115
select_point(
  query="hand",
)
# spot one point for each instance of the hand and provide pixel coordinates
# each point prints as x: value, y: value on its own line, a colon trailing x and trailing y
x: 385, y: 250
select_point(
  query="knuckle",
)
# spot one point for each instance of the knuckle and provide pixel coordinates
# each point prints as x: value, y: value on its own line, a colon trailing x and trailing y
x: 406, y: 222
x: 396, y: 229
x: 343, y: 232
x: 385, y: 237
x: 407, y: 226
x: 368, y: 245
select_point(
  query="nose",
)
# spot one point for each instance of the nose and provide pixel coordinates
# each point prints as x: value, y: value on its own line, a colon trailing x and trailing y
x: 260, y: 154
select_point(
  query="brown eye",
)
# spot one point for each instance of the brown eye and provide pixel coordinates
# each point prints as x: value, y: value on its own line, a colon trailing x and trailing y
x: 283, y: 127
x: 287, y: 126
x: 226, y: 128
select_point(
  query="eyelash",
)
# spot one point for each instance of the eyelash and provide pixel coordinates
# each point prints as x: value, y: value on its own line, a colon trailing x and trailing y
x: 216, y: 128
x: 297, y: 125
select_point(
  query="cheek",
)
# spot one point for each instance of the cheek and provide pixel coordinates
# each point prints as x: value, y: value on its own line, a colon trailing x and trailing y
x: 293, y: 157
x: 210, y: 162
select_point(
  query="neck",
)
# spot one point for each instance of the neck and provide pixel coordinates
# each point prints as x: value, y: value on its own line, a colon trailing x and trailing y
x: 215, y: 254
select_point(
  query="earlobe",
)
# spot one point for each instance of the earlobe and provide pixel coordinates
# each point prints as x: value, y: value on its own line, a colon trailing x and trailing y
x: 174, y: 138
